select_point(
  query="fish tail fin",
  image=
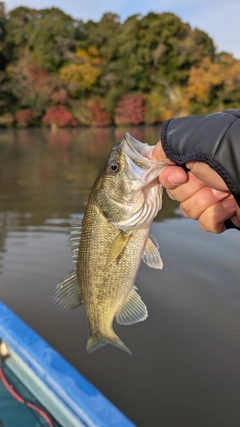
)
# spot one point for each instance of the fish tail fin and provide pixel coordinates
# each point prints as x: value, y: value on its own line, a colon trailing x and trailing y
x: 115, y: 340
x: 95, y: 342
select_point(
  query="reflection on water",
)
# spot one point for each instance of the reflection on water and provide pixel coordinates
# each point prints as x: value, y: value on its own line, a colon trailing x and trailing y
x: 184, y: 371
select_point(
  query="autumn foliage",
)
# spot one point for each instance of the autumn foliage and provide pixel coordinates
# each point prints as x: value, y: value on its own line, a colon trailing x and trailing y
x: 100, y: 117
x: 59, y: 71
x: 24, y: 117
x: 58, y: 117
x: 83, y: 72
x: 130, y: 110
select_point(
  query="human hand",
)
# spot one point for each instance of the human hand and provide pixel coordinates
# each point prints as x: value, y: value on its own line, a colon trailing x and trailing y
x: 202, y: 193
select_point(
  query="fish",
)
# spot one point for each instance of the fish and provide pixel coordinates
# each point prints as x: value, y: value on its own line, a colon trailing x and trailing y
x: 110, y: 242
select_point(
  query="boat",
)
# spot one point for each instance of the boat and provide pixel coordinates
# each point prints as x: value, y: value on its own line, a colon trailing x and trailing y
x: 38, y: 387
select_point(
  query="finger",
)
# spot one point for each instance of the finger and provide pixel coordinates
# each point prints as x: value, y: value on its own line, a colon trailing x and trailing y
x: 206, y: 174
x: 212, y: 219
x: 186, y: 190
x: 194, y: 206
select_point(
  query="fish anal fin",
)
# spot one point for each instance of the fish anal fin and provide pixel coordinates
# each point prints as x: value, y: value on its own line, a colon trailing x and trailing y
x: 151, y: 255
x: 134, y: 310
x: 66, y: 295
x: 117, y: 246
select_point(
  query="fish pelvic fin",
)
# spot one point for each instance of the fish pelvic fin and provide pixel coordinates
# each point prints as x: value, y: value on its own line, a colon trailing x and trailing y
x: 95, y: 342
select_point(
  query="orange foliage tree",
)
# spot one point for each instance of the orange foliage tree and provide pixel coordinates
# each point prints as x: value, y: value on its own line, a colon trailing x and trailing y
x: 100, y: 117
x: 130, y: 110
x: 58, y: 117
x: 24, y: 117
x: 230, y: 95
x: 30, y: 84
x: 213, y: 85
x: 203, y: 79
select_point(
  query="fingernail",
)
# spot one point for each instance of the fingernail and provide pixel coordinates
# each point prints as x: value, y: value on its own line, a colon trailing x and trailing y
x: 229, y: 203
x: 176, y: 178
x: 219, y: 193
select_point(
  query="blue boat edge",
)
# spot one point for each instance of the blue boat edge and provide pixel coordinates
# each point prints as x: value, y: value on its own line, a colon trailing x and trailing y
x: 80, y: 398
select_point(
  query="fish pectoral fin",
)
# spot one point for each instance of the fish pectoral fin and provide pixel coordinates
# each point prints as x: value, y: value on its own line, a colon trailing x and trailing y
x: 74, y: 236
x: 151, y: 255
x: 117, y: 246
x: 134, y: 310
x: 66, y: 295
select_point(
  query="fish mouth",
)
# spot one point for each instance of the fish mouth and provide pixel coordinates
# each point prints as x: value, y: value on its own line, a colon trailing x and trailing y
x: 140, y: 168
x: 137, y: 149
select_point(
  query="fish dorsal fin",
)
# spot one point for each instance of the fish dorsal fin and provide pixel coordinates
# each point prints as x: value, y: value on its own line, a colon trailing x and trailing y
x: 66, y: 295
x: 117, y: 246
x: 74, y: 236
x: 151, y: 255
x: 134, y: 310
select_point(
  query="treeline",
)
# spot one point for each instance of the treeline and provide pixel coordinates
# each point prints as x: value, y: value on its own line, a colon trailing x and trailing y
x: 59, y: 71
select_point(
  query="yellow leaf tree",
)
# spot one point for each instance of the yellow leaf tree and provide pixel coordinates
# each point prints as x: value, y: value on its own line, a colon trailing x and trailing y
x: 203, y: 78
x: 230, y: 95
x: 81, y: 75
x: 213, y: 85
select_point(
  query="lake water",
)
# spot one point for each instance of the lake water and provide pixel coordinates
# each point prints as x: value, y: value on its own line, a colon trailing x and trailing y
x: 185, y: 367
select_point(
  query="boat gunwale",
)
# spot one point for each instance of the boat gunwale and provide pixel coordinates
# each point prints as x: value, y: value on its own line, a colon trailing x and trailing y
x: 78, y: 395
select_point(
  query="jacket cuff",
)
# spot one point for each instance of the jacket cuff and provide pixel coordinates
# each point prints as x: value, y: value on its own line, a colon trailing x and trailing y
x: 213, y: 139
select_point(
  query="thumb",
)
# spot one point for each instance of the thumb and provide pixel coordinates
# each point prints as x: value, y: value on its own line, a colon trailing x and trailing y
x: 172, y: 176
x: 157, y: 154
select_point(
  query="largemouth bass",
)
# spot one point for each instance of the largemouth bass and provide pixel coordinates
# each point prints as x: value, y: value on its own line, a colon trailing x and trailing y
x: 114, y: 237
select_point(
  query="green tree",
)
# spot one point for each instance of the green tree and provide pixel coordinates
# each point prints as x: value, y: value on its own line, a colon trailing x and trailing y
x: 4, y: 90
x: 104, y: 35
x: 18, y: 26
x: 40, y: 31
x: 49, y: 59
x: 2, y: 35
x: 50, y: 25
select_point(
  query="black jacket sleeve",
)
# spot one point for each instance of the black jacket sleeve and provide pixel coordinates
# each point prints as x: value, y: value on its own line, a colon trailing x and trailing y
x: 213, y: 139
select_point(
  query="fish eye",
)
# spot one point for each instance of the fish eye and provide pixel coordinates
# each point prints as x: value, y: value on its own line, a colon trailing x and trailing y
x: 113, y: 167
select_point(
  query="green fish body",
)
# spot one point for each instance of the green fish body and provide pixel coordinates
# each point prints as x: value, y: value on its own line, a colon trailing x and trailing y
x: 114, y: 237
